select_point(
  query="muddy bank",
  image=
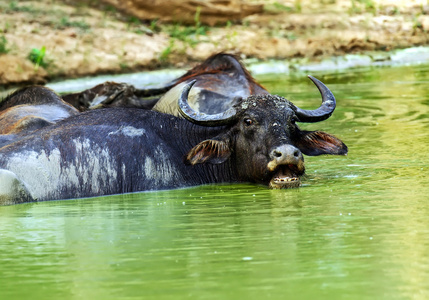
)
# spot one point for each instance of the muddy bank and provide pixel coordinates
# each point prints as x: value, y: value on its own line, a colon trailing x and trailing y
x: 46, y: 40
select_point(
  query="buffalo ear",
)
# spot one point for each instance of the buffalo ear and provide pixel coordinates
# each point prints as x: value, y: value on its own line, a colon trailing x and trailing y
x: 314, y: 143
x: 211, y: 151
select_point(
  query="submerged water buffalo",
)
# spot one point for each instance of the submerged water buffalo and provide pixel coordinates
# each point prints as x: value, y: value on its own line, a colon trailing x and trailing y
x: 31, y: 108
x: 221, y: 79
x: 122, y: 150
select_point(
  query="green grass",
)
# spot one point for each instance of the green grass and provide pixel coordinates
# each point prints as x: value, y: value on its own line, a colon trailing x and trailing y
x: 135, y: 25
x: 298, y: 6
x: 276, y: 7
x: 417, y: 23
x: 65, y: 22
x: 13, y: 7
x: 187, y: 35
x: 37, y: 57
x: 360, y: 6
x: 167, y: 51
x: 3, y: 45
x: 154, y: 26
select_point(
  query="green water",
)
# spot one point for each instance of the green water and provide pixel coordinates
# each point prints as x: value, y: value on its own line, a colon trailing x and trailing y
x: 357, y: 229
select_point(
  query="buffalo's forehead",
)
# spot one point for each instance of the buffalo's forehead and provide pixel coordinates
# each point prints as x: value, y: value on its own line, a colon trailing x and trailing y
x: 266, y: 101
x: 271, y: 104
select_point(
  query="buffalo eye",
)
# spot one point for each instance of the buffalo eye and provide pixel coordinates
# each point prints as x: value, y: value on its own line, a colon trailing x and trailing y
x: 248, y: 122
x: 293, y: 120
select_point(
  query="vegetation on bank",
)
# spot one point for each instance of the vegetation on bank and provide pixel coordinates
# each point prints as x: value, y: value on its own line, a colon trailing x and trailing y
x: 179, y: 43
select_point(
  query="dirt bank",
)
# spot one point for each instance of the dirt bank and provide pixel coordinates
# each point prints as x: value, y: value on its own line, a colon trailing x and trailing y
x: 71, y: 40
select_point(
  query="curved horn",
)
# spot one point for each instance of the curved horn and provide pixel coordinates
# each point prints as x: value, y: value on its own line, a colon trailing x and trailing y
x: 324, y: 111
x: 202, y: 118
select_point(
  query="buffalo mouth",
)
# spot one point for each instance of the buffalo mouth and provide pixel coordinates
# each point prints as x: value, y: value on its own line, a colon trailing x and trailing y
x: 286, y: 176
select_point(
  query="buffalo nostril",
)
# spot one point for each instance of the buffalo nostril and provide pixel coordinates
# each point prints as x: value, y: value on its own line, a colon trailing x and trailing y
x: 286, y: 153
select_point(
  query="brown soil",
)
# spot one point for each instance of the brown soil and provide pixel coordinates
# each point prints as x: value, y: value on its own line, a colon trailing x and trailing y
x: 81, y: 40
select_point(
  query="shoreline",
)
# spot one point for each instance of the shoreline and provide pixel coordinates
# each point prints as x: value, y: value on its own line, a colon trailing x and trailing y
x: 145, y: 79
x: 42, y: 41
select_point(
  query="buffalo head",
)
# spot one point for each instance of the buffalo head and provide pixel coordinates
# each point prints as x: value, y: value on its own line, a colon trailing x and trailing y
x: 262, y: 139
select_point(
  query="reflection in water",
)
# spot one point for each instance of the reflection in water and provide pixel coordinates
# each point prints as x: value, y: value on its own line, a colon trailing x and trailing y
x: 357, y: 229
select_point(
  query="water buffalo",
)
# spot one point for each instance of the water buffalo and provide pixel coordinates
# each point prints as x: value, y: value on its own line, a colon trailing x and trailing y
x: 221, y: 79
x: 31, y: 108
x: 113, y: 94
x: 122, y: 150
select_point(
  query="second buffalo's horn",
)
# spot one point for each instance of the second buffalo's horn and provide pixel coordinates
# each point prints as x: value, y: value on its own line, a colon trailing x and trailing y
x: 202, y: 118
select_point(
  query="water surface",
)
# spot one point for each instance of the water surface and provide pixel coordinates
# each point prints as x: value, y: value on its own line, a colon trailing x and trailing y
x: 357, y: 229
